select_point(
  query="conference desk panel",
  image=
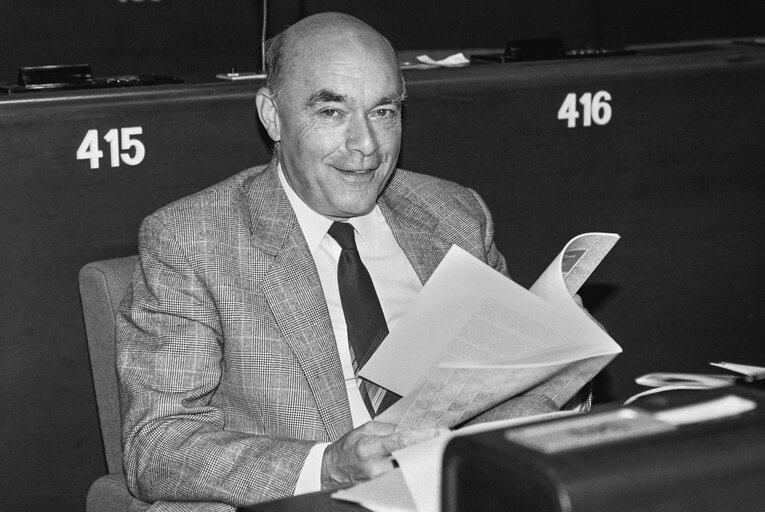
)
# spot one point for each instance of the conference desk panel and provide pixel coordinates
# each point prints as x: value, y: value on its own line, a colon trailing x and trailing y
x: 676, y: 169
x: 58, y: 212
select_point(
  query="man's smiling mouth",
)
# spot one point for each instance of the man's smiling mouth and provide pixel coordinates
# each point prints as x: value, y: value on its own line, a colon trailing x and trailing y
x: 356, y: 171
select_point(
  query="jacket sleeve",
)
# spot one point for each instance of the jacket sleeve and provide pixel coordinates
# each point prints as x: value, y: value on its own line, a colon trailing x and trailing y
x: 169, y: 363
x: 491, y: 253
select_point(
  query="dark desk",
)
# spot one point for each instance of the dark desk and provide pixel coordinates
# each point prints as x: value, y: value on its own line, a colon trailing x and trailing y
x: 619, y: 462
x: 318, y: 502
x: 677, y: 170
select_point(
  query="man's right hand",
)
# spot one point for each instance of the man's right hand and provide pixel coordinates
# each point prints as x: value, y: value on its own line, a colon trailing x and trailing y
x: 365, y: 452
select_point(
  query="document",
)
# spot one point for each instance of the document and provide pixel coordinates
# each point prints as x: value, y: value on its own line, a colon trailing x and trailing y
x: 754, y: 372
x: 388, y: 492
x: 474, y: 338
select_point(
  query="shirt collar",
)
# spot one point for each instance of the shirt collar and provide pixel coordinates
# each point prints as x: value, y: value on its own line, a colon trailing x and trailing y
x: 315, y: 226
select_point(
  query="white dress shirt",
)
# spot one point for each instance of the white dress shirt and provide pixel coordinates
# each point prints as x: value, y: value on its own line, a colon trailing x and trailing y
x: 396, y: 284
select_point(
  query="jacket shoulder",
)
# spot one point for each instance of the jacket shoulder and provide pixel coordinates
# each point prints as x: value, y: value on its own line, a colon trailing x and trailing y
x: 436, y: 194
x: 225, y: 199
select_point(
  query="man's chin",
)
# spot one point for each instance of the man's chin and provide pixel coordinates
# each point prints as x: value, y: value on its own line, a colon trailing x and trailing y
x: 346, y: 212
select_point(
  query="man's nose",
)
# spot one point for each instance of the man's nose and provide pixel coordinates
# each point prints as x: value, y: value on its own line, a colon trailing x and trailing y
x: 360, y: 136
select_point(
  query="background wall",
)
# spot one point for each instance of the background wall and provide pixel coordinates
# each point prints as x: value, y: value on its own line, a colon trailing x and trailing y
x: 196, y: 39
x: 50, y: 449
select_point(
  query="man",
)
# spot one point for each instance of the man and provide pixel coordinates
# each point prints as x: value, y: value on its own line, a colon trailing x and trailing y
x: 236, y: 378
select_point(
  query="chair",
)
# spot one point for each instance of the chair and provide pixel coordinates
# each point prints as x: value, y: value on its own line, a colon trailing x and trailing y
x: 102, y: 286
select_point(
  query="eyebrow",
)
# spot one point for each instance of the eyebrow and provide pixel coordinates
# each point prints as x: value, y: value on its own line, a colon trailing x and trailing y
x: 397, y: 99
x: 327, y: 96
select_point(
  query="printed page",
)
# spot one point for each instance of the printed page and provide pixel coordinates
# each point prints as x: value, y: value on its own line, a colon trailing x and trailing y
x: 475, y: 338
x: 386, y: 493
x: 571, y: 268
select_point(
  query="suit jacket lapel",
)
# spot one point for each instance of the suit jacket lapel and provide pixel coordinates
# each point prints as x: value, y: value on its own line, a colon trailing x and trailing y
x: 293, y: 290
x: 416, y: 231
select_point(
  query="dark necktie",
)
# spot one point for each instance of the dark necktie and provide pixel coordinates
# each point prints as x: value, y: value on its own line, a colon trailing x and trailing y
x: 363, y: 314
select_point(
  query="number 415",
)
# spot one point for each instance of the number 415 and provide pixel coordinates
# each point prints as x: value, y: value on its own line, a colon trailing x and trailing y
x: 595, y: 108
x: 121, y: 142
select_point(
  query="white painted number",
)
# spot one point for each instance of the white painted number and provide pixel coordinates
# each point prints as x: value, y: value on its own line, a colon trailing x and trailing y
x: 601, y: 108
x: 112, y: 137
x: 129, y: 143
x: 595, y: 108
x: 88, y: 149
x: 123, y: 147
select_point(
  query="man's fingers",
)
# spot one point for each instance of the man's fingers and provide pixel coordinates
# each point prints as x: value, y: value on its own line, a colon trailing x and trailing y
x: 404, y: 438
x: 365, y: 452
x: 377, y: 428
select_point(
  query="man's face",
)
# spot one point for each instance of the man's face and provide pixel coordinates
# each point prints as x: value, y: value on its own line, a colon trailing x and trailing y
x: 339, y: 116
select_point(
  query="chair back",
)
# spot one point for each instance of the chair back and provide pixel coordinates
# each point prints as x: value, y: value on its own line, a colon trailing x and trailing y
x: 103, y: 284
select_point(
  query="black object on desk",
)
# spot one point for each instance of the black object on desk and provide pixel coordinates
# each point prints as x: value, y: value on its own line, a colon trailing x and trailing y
x: 626, y: 459
x: 550, y: 48
x: 76, y: 76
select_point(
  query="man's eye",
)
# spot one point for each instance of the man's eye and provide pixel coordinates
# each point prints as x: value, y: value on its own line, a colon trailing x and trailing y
x: 385, y: 113
x: 329, y: 113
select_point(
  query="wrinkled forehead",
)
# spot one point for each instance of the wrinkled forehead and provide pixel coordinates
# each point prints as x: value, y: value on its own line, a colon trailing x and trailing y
x: 337, y: 57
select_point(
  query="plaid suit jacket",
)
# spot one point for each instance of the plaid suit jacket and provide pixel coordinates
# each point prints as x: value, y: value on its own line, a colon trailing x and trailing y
x: 228, y: 366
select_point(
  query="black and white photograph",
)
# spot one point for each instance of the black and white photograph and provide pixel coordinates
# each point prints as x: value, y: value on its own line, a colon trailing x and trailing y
x: 382, y: 256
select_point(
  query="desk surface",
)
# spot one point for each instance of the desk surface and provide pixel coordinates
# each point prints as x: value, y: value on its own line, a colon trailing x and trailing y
x: 315, y: 502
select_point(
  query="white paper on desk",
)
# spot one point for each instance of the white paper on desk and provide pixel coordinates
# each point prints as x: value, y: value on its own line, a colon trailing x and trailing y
x: 474, y: 338
x: 452, y: 61
x: 421, y: 464
x: 757, y: 372
x: 386, y: 493
x: 416, y: 485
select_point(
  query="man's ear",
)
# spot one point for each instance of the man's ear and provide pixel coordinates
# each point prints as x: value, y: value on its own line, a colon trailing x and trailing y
x: 268, y: 113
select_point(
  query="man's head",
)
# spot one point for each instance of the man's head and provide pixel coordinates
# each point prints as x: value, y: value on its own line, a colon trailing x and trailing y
x: 332, y: 102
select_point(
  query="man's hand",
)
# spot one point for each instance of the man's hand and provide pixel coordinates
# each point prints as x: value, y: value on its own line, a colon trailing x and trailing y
x: 365, y: 452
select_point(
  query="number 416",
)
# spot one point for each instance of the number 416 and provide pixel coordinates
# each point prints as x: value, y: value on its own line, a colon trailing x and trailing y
x: 595, y: 108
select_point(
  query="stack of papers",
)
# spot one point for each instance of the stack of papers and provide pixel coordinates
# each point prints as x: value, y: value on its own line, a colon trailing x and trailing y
x: 474, y: 339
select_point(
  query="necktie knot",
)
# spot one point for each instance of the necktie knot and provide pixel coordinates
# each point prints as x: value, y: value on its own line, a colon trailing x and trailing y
x: 343, y: 234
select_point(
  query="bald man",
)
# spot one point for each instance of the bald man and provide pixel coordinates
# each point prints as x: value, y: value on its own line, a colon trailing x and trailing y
x: 236, y: 380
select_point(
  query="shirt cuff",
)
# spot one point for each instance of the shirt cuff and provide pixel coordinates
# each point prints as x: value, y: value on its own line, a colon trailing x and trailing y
x: 309, y: 479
